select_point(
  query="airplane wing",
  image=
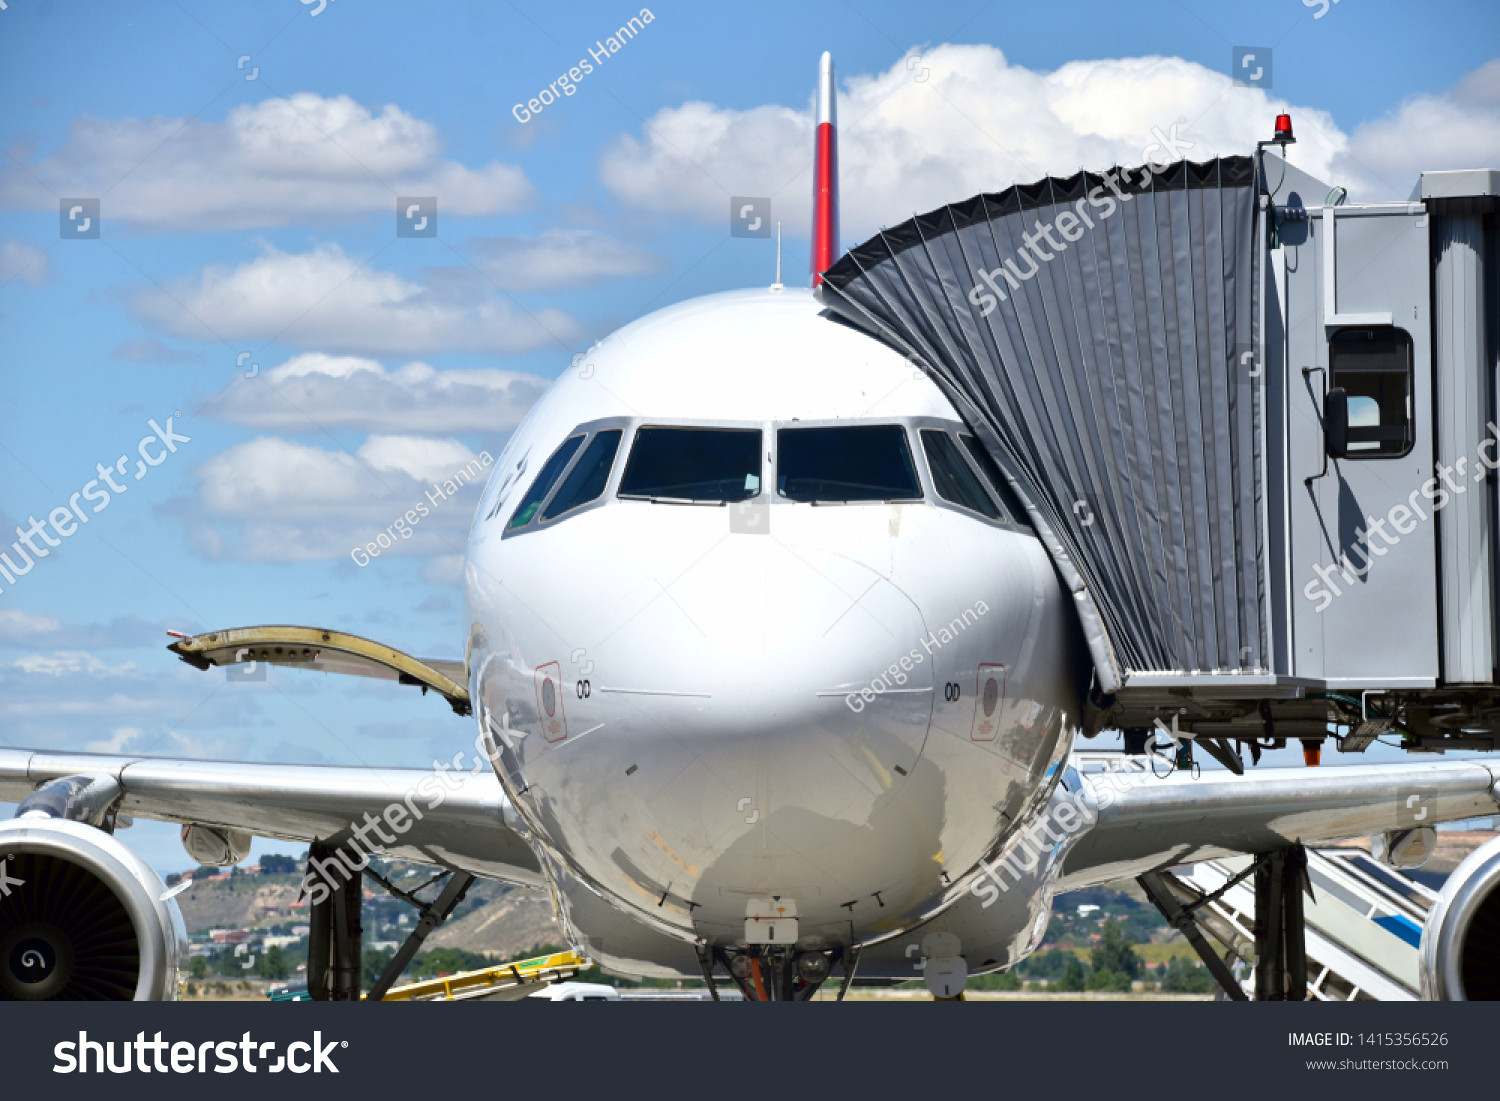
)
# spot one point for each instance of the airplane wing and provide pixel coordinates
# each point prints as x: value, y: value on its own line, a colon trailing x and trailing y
x: 457, y: 821
x: 1124, y: 822
x: 323, y: 650
x: 1148, y: 824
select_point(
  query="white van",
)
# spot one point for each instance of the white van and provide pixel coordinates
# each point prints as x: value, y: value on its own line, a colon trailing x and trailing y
x: 578, y: 992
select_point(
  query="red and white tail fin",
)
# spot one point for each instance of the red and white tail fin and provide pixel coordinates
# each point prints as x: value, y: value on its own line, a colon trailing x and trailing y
x: 825, y: 227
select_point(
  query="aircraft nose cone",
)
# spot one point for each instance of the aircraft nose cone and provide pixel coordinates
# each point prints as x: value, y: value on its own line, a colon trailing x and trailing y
x: 757, y: 630
x: 725, y: 698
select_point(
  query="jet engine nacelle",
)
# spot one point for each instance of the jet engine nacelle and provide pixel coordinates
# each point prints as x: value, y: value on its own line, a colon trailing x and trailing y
x: 1461, y: 941
x: 82, y: 917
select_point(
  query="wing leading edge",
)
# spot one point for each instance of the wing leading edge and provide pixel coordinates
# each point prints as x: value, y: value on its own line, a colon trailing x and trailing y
x: 457, y: 820
x: 1148, y: 824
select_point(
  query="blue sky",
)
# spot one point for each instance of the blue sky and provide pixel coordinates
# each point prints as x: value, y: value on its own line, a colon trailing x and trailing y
x: 259, y: 216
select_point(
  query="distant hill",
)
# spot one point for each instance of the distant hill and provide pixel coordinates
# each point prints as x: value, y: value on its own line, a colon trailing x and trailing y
x: 495, y: 919
x: 510, y: 926
x: 505, y: 922
x: 243, y: 902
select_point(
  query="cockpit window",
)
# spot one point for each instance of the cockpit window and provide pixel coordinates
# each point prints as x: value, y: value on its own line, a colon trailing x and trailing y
x: 870, y: 462
x: 545, y: 480
x: 714, y: 465
x: 998, y: 485
x: 951, y: 476
x: 586, y: 480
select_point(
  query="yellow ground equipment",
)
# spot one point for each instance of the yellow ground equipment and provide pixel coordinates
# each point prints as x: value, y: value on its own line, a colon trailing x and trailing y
x: 505, y: 982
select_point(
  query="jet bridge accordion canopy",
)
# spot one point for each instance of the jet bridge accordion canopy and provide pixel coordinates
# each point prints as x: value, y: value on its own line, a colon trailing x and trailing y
x: 1103, y: 340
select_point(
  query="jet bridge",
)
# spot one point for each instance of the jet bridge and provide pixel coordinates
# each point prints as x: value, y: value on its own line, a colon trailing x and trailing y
x: 1254, y: 424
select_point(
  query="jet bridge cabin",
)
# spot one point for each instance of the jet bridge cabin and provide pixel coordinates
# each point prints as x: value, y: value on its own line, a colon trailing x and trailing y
x: 1253, y: 422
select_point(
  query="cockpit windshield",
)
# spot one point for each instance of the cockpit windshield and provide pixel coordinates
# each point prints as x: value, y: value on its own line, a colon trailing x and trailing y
x: 693, y: 465
x: 993, y: 476
x: 545, y: 480
x: 867, y: 462
x: 951, y: 476
x: 587, y: 479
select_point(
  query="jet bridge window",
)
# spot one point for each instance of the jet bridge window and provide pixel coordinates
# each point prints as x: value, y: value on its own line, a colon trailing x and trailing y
x: 951, y: 476
x: 692, y: 465
x: 1374, y: 367
x: 585, y: 482
x: 869, y: 462
x: 545, y: 480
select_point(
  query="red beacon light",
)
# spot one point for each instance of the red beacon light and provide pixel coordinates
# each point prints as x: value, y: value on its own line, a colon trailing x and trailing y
x: 1284, y: 131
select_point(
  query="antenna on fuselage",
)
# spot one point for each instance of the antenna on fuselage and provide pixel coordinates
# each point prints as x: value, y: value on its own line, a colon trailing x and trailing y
x: 776, y: 286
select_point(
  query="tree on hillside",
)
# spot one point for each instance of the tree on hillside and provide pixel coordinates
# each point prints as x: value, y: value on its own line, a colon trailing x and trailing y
x: 447, y: 961
x: 272, y: 964
x: 1074, y: 978
x: 1046, y: 965
x: 374, y: 964
x: 1114, y: 951
x: 1184, y: 977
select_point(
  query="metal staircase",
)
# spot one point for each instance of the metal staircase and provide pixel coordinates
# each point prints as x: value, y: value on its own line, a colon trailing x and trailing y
x: 1364, y: 922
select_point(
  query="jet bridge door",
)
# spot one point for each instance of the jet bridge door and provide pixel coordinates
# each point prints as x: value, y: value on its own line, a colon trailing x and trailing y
x: 1363, y: 529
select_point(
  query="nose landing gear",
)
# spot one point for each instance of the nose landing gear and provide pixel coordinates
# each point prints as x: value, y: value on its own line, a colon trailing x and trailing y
x: 773, y: 973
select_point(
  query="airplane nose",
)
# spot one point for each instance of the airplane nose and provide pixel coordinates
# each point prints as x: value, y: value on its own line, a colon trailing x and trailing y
x: 764, y: 637
x: 753, y: 700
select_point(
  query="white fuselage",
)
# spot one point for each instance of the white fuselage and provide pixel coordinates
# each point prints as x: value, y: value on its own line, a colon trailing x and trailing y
x: 673, y: 691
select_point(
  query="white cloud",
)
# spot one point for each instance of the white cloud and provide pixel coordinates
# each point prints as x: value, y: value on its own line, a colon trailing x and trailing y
x: 979, y: 123
x: 69, y: 663
x: 115, y: 743
x: 19, y: 260
x: 16, y: 624
x: 423, y: 459
x: 72, y: 701
x: 325, y: 299
x: 1459, y: 129
x: 291, y: 502
x: 21, y: 628
x: 559, y: 258
x: 147, y: 349
x: 446, y: 569
x: 315, y: 390
x: 277, y: 162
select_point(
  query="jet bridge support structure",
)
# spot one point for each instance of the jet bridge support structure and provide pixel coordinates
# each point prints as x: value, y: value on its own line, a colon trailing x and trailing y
x: 1281, y: 925
x: 335, y: 936
x: 1186, y: 918
x: 433, y: 913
